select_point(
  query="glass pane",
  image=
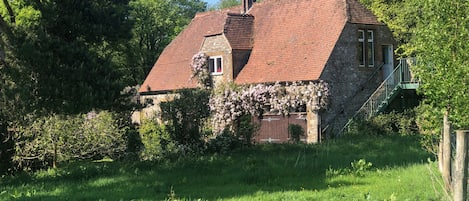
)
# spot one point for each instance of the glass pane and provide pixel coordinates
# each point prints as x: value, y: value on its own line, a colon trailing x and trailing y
x: 219, y: 66
x: 211, y: 64
x: 371, y: 52
x: 361, y: 35
x: 370, y: 36
x: 361, y: 53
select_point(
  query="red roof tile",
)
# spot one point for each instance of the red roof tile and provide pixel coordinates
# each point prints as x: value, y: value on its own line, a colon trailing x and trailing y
x: 292, y: 40
x: 171, y: 71
x: 239, y: 30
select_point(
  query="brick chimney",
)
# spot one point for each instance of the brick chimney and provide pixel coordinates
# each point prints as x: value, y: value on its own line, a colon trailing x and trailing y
x: 247, y: 4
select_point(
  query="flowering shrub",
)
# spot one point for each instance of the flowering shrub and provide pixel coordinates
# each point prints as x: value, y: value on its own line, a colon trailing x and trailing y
x: 53, y: 139
x: 199, y: 67
x: 229, y: 103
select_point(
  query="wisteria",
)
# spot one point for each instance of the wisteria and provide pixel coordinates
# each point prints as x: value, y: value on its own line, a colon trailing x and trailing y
x: 232, y: 103
x: 200, y: 71
x: 229, y: 102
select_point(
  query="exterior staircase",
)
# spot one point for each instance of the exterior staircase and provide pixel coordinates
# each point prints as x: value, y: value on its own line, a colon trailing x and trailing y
x: 400, y: 79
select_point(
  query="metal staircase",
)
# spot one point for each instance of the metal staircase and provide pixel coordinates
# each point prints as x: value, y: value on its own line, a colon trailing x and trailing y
x: 400, y: 79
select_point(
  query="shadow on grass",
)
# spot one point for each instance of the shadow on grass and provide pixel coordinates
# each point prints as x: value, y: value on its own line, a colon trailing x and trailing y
x: 267, y: 168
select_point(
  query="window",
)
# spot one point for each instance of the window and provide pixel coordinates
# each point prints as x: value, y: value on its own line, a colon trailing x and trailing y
x: 215, y: 65
x: 361, y: 47
x: 366, y: 50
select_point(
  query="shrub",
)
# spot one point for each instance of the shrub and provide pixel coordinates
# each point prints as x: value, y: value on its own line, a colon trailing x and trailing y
x: 157, y: 143
x: 430, y: 122
x: 186, y: 116
x: 386, y: 124
x: 295, y: 131
x: 224, y: 143
x: 246, y: 129
x: 57, y: 138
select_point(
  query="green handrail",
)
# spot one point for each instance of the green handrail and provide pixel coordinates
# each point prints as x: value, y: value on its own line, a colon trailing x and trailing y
x: 385, y: 92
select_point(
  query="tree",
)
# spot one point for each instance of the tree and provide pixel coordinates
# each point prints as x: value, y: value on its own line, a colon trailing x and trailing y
x: 156, y: 23
x: 440, y: 41
x: 66, y: 52
x: 441, y: 45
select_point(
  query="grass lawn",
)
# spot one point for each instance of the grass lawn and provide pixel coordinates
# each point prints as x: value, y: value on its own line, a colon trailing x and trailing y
x: 400, y: 171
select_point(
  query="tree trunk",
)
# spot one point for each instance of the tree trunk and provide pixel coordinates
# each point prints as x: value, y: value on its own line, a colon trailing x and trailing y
x: 446, y: 152
x: 460, y: 167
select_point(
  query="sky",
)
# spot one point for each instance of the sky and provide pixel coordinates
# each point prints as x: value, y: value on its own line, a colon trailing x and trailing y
x: 211, y: 2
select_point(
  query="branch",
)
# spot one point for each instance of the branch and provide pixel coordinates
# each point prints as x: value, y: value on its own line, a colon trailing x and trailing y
x: 10, y: 11
x: 4, y: 27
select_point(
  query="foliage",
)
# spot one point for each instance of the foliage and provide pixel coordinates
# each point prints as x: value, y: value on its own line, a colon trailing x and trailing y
x: 157, y: 143
x: 387, y: 124
x: 358, y: 168
x: 401, y: 18
x: 186, y: 116
x: 57, y: 138
x: 440, y: 41
x: 199, y: 67
x: 246, y: 129
x: 224, y: 143
x: 156, y: 23
x: 295, y: 131
x: 229, y: 103
x: 430, y: 124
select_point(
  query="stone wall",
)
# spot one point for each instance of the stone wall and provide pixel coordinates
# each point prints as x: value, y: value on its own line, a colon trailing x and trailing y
x: 350, y: 84
x: 218, y: 45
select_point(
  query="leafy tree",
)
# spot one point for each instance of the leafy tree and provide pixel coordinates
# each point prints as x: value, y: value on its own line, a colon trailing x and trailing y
x: 65, y: 53
x: 156, y: 23
x: 441, y: 44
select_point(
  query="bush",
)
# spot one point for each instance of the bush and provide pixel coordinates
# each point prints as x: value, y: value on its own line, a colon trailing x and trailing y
x: 156, y: 140
x: 246, y: 129
x: 224, y: 143
x: 387, y: 124
x: 186, y: 116
x: 430, y: 123
x: 295, y: 131
x: 57, y: 138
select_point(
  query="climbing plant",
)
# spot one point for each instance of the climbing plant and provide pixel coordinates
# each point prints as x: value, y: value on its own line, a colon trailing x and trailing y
x: 228, y: 102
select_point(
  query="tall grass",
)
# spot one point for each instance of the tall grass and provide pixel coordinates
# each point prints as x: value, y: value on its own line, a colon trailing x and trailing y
x: 400, y: 171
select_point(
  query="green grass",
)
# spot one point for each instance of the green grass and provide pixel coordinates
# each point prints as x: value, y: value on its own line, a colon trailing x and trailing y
x: 400, y: 171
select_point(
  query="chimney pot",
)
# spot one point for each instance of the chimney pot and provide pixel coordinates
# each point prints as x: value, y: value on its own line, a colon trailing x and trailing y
x: 247, y: 4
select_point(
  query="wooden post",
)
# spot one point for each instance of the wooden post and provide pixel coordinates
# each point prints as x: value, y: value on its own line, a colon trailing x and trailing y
x: 446, y: 152
x: 460, y: 167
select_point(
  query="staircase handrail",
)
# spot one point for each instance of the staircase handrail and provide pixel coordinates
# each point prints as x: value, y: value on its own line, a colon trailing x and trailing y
x: 401, y: 74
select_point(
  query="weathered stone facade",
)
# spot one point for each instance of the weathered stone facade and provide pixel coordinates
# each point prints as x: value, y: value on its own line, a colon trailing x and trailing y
x: 351, y: 84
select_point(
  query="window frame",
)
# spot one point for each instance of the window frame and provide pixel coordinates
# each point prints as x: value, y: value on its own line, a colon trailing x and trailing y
x: 215, y: 65
x: 362, y: 47
x: 366, y: 45
x: 370, y: 45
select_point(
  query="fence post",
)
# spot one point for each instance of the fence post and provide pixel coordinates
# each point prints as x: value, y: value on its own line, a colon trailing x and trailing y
x: 446, y: 152
x: 460, y: 167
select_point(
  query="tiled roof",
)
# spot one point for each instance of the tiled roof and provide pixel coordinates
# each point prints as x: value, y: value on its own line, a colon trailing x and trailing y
x: 239, y: 30
x: 171, y: 71
x: 292, y: 40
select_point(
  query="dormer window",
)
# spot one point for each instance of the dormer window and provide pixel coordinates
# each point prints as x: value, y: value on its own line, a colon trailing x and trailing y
x: 215, y: 65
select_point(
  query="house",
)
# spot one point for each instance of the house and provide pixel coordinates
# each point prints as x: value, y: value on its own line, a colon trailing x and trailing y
x: 337, y: 41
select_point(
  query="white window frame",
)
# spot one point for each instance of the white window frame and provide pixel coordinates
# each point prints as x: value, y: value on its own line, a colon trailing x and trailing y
x: 361, y: 41
x: 215, y: 65
x: 367, y: 44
